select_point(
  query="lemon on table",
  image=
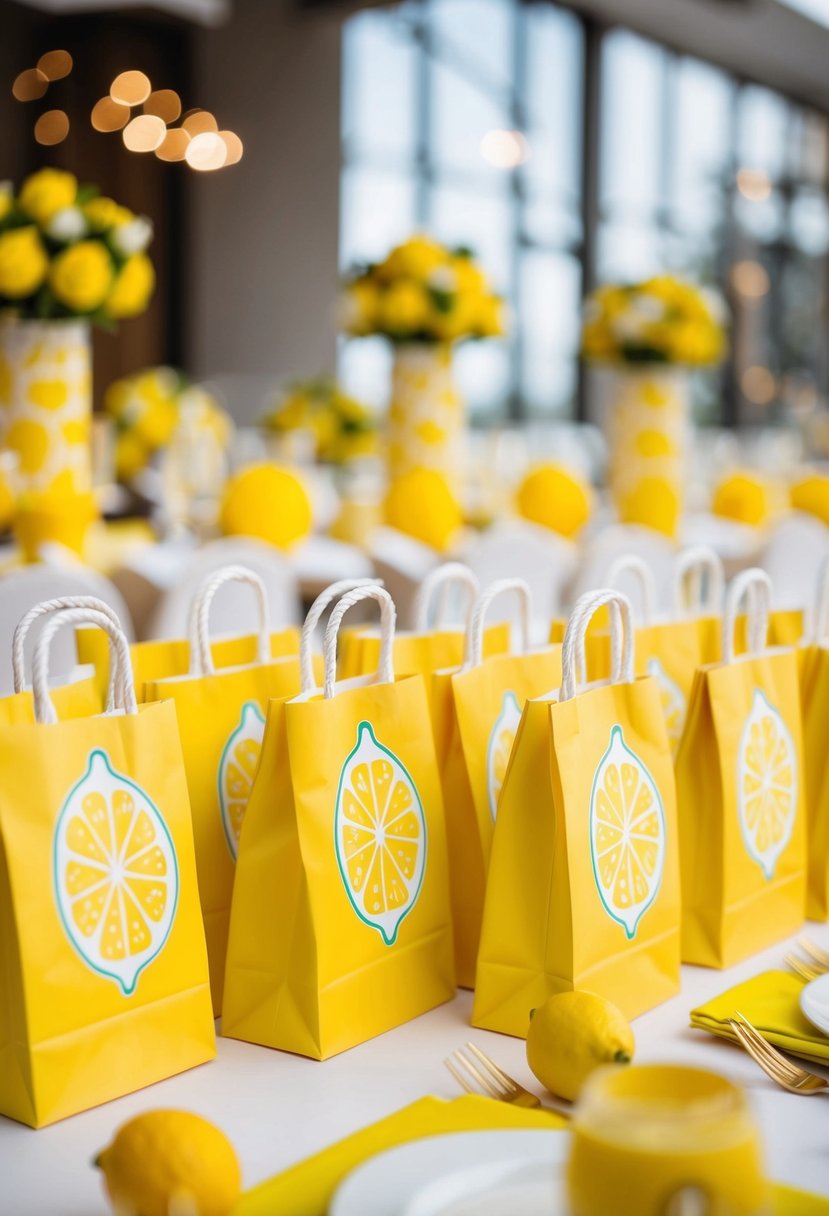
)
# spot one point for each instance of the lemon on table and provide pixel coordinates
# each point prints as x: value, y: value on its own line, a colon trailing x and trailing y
x: 744, y: 497
x: 571, y: 1035
x: 421, y: 504
x: 268, y: 502
x: 766, y: 784
x: 237, y: 768
x: 501, y: 740
x: 170, y: 1162
x: 556, y: 498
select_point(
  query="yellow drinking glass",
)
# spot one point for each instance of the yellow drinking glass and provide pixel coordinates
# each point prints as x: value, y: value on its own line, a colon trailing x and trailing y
x: 649, y: 1136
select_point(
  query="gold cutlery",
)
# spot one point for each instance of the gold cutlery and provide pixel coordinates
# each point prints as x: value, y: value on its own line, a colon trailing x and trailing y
x: 477, y: 1073
x: 819, y: 956
x: 774, y: 1064
x: 806, y: 971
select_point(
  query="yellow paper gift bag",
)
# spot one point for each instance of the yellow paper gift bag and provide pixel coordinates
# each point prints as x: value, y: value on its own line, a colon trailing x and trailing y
x: 103, y: 967
x: 221, y: 718
x: 813, y: 670
x: 583, y: 888
x: 340, y: 927
x: 475, y: 714
x: 742, y: 815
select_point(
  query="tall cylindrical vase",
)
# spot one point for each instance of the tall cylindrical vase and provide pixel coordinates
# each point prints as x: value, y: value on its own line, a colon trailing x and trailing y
x: 427, y: 419
x: 46, y: 404
x: 647, y: 425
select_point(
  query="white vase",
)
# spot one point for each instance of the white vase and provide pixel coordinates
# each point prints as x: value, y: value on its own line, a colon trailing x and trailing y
x: 46, y: 403
x: 427, y: 419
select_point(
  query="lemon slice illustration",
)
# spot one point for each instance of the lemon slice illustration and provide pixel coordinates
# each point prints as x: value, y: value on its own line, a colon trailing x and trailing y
x: 766, y: 784
x: 501, y: 739
x: 627, y: 834
x: 237, y: 768
x: 380, y: 835
x: 674, y: 706
x: 115, y: 873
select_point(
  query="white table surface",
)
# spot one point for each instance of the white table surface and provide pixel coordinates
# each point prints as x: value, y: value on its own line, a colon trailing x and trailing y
x: 278, y: 1108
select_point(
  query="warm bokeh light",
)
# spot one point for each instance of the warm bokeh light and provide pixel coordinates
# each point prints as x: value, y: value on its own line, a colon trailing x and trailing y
x: 164, y: 103
x: 52, y: 127
x: 174, y: 146
x: 234, y: 145
x: 505, y: 149
x: 750, y: 279
x: 30, y: 85
x: 130, y: 88
x: 55, y: 64
x: 109, y: 115
x: 206, y: 151
x: 759, y: 385
x: 198, y: 122
x: 753, y: 184
x: 145, y: 133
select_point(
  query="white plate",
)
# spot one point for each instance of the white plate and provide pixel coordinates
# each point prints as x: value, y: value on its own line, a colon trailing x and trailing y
x: 464, y: 1174
x: 814, y: 1003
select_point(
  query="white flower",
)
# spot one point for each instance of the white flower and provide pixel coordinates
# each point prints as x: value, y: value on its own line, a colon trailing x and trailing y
x: 132, y: 237
x: 443, y: 279
x: 642, y: 311
x: 68, y: 224
x: 715, y: 304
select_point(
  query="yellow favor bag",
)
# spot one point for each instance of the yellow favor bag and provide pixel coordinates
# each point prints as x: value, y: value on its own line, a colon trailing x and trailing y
x: 813, y: 669
x: 433, y: 644
x: 583, y: 887
x: 475, y: 714
x: 221, y: 718
x: 103, y: 968
x: 742, y: 815
x: 340, y: 927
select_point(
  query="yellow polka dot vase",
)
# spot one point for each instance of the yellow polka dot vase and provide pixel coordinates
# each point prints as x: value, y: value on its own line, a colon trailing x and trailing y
x: 427, y: 418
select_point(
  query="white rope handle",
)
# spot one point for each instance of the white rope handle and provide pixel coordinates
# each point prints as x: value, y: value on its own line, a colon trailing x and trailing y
x: 475, y: 633
x: 820, y: 623
x: 621, y: 639
x: 631, y: 563
x: 201, y: 656
x: 433, y: 594
x: 699, y: 570
x: 753, y: 586
x: 388, y: 615
x: 306, y: 637
x: 46, y: 608
x: 119, y: 657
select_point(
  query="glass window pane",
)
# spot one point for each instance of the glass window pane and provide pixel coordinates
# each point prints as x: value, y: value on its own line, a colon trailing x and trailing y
x: 554, y: 51
x: 701, y: 146
x: 632, y: 106
x: 483, y: 377
x: 379, y: 82
x: 762, y: 134
x: 377, y: 209
x: 629, y: 251
x: 481, y: 221
x: 549, y: 306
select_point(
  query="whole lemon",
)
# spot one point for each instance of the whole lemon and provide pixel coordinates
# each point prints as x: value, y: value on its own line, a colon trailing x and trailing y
x: 571, y: 1035
x: 421, y: 504
x: 556, y: 498
x: 268, y: 502
x: 170, y: 1160
x: 744, y: 497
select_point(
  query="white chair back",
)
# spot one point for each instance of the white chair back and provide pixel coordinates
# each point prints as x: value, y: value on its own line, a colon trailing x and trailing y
x: 616, y: 541
x: 792, y: 554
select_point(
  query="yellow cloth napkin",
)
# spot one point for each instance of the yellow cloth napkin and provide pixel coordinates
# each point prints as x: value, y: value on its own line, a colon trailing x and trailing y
x: 307, y: 1188
x: 771, y: 1003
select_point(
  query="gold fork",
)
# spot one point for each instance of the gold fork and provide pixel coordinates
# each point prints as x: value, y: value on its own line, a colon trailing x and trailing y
x: 773, y: 1063
x: 820, y: 957
x: 806, y: 971
x: 475, y: 1072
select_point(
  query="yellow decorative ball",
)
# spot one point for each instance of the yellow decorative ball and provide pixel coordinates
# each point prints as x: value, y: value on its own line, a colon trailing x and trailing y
x: 652, y: 503
x: 60, y: 514
x: 268, y: 502
x: 23, y: 263
x: 811, y: 495
x: 556, y: 498
x: 421, y: 504
x: 132, y: 289
x: 81, y: 276
x: 47, y: 192
x: 7, y: 503
x: 743, y: 497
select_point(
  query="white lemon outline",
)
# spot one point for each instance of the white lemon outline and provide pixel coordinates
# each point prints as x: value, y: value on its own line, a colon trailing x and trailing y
x: 767, y: 861
x: 249, y: 709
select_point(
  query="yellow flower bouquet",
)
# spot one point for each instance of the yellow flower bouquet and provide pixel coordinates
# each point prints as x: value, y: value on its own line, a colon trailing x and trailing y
x: 660, y: 320
x: 68, y: 252
x: 343, y: 427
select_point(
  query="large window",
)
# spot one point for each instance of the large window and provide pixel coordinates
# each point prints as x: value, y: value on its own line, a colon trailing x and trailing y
x: 625, y: 159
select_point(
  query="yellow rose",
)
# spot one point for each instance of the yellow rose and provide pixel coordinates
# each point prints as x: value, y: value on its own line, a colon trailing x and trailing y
x: 133, y: 287
x: 157, y: 420
x: 46, y: 193
x: 81, y: 276
x: 23, y: 263
x: 360, y: 307
x: 6, y: 199
x: 416, y: 258
x: 491, y: 323
x: 104, y: 213
x: 403, y: 308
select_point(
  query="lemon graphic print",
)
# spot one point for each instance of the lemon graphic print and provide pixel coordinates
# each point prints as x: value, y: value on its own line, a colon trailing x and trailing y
x: 237, y: 767
x: 115, y: 873
x: 627, y: 834
x: 501, y: 739
x: 766, y: 784
x: 673, y: 702
x: 379, y: 835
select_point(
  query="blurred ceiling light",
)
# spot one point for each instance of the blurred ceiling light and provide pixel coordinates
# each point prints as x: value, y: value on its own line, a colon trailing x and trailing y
x: 55, y: 64
x: 199, y: 122
x: 109, y: 115
x: 52, y: 127
x: 146, y: 133
x: 206, y: 151
x: 750, y: 279
x: 164, y: 103
x: 130, y: 88
x: 174, y: 146
x: 30, y: 85
x: 758, y: 384
x: 234, y: 145
x: 753, y: 184
x: 505, y: 149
